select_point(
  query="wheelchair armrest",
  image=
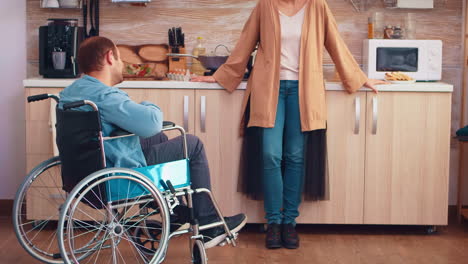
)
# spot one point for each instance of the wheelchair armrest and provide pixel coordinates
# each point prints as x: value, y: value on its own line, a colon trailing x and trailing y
x: 168, y: 124
x: 122, y: 132
x: 119, y: 132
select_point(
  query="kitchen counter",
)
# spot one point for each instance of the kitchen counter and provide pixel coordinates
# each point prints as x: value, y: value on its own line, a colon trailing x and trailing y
x: 330, y: 86
x: 372, y: 141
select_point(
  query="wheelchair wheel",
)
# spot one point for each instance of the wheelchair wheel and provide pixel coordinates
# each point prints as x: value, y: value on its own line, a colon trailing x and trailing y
x: 199, y: 253
x: 112, y: 200
x: 38, y: 236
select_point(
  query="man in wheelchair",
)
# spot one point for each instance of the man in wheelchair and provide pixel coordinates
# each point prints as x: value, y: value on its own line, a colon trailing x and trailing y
x: 99, y: 60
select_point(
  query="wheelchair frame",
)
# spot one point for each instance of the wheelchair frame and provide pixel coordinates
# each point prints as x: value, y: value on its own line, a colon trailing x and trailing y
x: 168, y: 201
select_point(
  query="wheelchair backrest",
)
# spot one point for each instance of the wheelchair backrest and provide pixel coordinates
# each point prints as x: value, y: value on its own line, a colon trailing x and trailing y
x: 80, y: 147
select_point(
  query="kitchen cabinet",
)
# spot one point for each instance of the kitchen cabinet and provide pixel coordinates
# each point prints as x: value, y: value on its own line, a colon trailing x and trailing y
x: 407, y: 158
x: 388, y: 160
x: 177, y: 105
x: 388, y: 157
x: 213, y: 116
x: 38, y: 129
x: 388, y: 153
x: 217, y: 116
x: 346, y: 145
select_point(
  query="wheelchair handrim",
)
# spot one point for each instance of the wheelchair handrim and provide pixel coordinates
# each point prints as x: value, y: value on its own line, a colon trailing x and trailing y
x: 25, y: 242
x: 95, y: 179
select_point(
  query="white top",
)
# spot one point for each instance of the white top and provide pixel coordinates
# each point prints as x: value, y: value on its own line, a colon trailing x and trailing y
x: 291, y: 30
x: 329, y: 86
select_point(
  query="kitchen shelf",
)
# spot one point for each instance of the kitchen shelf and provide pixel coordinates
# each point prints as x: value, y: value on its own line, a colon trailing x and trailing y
x: 359, y: 5
x: 72, y: 4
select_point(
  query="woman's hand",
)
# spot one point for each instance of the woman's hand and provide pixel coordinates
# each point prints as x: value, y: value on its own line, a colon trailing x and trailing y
x: 372, y: 82
x: 208, y: 79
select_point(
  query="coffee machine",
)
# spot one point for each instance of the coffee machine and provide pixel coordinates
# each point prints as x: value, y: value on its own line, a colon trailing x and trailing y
x: 59, y: 41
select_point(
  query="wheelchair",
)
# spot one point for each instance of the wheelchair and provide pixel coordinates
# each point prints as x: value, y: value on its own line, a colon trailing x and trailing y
x: 116, y: 215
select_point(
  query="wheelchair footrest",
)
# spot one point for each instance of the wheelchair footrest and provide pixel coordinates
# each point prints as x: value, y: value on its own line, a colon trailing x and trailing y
x: 229, y: 240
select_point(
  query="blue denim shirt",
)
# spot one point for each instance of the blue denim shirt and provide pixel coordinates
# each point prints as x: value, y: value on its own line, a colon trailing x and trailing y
x: 117, y: 110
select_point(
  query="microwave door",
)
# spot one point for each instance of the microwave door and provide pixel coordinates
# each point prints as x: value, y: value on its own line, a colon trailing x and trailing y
x: 397, y: 59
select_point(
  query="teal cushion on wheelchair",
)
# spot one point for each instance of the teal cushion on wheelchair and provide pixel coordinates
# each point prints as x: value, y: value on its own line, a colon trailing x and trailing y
x: 175, y: 171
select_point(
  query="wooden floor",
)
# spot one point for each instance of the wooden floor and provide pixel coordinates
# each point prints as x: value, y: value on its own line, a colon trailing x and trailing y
x: 319, y: 244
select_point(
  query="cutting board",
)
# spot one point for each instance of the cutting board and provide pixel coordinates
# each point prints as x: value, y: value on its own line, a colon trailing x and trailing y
x: 147, y: 61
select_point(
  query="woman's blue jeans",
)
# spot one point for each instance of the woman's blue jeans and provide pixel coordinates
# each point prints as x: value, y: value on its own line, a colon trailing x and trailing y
x: 283, y: 145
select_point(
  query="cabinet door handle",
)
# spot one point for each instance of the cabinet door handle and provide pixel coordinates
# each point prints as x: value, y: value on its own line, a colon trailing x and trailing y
x: 186, y: 113
x: 375, y: 115
x: 357, y: 121
x: 203, y: 114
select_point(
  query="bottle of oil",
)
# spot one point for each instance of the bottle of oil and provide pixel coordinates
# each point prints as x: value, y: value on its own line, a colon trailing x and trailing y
x: 370, y: 28
x: 197, y: 68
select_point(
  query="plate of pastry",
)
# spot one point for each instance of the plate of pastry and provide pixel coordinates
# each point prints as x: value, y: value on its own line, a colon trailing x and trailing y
x: 403, y: 82
x: 398, y: 78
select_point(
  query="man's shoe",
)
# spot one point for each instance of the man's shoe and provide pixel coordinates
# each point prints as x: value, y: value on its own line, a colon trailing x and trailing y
x: 273, y: 236
x: 176, y: 224
x: 289, y: 236
x: 178, y: 227
x: 214, y: 236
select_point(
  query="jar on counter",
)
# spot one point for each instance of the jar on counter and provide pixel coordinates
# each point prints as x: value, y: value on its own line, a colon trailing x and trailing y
x: 397, y: 32
x: 388, y: 32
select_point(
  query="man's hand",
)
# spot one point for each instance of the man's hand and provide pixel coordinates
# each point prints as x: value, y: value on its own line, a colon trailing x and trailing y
x: 208, y: 79
x: 372, y: 82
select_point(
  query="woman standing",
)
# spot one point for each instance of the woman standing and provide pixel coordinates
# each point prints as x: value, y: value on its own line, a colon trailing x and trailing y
x: 284, y: 104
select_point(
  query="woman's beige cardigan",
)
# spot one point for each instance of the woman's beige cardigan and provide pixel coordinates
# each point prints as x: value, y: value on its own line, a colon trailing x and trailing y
x: 318, y: 31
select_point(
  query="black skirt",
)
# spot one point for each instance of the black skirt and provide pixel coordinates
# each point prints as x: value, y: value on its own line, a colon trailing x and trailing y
x: 315, y: 164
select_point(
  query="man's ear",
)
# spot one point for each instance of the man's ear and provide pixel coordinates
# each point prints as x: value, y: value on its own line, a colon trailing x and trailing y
x: 110, y: 57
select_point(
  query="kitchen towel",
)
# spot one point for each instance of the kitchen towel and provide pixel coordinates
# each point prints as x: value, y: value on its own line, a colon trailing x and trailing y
x: 52, y: 122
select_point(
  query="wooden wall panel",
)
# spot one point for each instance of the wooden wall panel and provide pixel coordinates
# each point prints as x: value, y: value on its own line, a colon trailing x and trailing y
x: 221, y: 21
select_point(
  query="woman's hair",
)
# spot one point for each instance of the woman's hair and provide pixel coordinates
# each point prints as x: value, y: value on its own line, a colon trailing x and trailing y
x: 92, y: 52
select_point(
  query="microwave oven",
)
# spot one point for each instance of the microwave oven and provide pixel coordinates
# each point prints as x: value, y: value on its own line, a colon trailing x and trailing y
x: 419, y: 59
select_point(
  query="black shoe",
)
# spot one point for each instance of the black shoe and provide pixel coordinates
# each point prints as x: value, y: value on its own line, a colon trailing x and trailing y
x: 214, y: 236
x: 177, y: 224
x: 289, y: 237
x: 273, y: 236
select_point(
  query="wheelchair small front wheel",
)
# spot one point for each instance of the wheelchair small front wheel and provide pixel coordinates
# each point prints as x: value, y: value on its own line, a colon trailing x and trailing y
x: 108, y: 205
x: 199, y: 253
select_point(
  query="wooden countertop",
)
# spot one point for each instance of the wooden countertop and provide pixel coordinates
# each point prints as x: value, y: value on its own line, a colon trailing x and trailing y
x: 330, y: 86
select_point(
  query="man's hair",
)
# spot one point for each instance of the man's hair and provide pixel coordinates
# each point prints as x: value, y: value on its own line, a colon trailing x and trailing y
x: 92, y: 52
